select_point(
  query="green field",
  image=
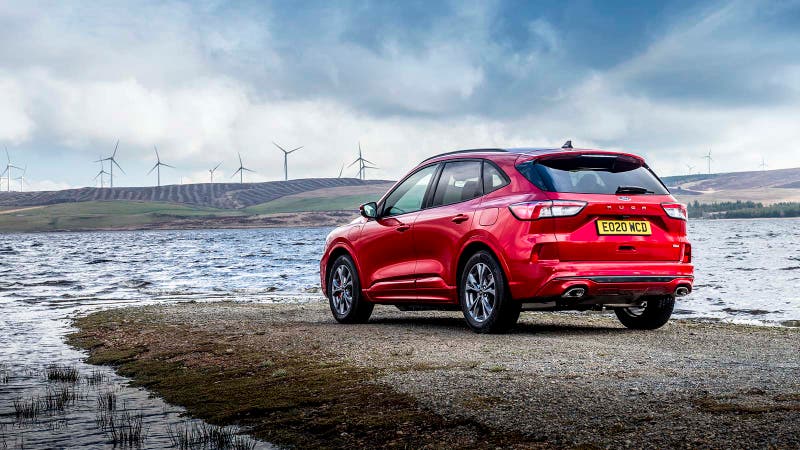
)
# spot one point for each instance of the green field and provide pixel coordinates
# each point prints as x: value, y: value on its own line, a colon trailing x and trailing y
x: 295, y: 204
x: 104, y: 215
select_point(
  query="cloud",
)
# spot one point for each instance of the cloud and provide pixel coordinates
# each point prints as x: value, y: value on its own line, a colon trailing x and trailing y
x: 203, y: 81
x: 15, y: 123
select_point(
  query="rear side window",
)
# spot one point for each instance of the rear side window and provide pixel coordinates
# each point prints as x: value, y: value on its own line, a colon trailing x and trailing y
x: 460, y: 181
x: 493, y: 178
x: 592, y: 174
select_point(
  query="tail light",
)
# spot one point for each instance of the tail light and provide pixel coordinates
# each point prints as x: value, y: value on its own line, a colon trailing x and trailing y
x: 545, y: 209
x: 687, y: 253
x: 676, y: 210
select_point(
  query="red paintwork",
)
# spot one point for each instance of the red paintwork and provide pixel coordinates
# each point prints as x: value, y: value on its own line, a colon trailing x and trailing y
x: 414, y: 257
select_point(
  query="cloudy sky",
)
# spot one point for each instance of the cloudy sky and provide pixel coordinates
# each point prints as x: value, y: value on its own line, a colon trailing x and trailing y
x: 203, y: 80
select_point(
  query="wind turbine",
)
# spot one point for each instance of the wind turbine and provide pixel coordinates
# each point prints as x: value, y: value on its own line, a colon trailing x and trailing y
x: 21, y: 179
x: 691, y: 168
x: 157, y: 167
x: 112, y: 162
x: 241, y: 170
x: 763, y: 164
x: 286, y: 160
x: 9, y: 166
x: 709, y: 158
x: 100, y: 175
x: 211, y: 171
x: 362, y: 164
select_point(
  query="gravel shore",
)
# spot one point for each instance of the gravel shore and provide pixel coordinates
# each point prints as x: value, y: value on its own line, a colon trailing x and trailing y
x: 558, y: 380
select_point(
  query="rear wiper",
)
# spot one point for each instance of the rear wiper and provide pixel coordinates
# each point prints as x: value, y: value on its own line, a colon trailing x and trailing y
x: 632, y: 190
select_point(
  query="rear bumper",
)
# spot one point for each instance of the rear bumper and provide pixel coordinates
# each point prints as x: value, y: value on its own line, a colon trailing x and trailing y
x: 603, y: 282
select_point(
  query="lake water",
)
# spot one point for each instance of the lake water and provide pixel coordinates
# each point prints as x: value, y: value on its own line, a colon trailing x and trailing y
x: 746, y: 271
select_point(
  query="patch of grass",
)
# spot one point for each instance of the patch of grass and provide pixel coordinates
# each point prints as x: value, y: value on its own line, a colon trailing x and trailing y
x: 280, y: 373
x: 193, y: 435
x: 294, y: 204
x: 57, y: 399
x: 28, y: 409
x: 107, y: 401
x: 97, y: 377
x: 125, y: 428
x: 713, y: 405
x: 67, y: 374
x: 105, y: 214
x: 794, y: 397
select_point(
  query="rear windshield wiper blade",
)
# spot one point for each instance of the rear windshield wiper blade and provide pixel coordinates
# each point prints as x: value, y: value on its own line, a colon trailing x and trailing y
x: 632, y: 190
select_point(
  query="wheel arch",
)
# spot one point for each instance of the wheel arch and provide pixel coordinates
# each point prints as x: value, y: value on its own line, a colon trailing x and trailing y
x: 336, y: 252
x: 470, y: 248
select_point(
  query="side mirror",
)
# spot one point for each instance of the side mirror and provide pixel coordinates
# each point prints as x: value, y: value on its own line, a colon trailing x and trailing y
x: 369, y: 210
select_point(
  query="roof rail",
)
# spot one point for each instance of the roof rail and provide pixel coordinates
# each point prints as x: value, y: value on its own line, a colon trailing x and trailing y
x: 471, y: 150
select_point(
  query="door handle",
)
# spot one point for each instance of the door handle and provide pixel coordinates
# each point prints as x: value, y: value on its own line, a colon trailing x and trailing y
x: 460, y: 218
x: 403, y: 228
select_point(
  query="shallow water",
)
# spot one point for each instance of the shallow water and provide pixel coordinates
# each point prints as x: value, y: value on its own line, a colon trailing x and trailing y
x: 745, y: 272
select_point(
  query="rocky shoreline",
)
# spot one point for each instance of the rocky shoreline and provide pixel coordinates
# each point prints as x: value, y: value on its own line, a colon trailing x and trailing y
x: 294, y: 377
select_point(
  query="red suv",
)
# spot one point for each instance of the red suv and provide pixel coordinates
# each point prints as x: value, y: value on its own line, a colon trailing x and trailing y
x: 497, y: 231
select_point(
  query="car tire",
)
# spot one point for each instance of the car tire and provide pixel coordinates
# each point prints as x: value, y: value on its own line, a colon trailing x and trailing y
x: 344, y: 293
x: 653, y: 315
x: 484, y: 299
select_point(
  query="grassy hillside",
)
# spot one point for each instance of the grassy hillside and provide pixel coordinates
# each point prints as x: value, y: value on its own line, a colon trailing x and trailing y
x: 103, y: 215
x: 339, y: 204
x: 765, y: 186
x: 330, y: 199
x: 217, y: 195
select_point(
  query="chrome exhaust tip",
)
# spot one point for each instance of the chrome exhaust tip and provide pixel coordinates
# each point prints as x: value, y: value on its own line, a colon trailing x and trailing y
x: 574, y: 292
x: 681, y: 291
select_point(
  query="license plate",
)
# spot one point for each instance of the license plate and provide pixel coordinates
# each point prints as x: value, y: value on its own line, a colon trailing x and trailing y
x: 624, y: 227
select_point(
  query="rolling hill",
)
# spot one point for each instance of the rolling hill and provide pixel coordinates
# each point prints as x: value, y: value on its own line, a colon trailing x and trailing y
x: 309, y: 202
x: 217, y: 195
x: 765, y: 186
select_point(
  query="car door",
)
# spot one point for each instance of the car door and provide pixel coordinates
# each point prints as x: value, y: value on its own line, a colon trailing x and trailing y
x: 386, y: 247
x: 440, y: 229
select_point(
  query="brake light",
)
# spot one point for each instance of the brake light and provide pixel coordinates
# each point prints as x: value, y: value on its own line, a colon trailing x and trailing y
x: 676, y: 210
x: 545, y: 209
x: 687, y: 253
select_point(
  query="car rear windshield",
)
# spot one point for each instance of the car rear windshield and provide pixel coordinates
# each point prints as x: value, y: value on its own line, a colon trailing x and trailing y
x: 592, y: 174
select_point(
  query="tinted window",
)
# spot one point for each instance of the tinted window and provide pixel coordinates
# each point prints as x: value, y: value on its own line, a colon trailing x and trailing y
x: 460, y: 181
x: 408, y: 196
x: 493, y: 178
x: 592, y: 174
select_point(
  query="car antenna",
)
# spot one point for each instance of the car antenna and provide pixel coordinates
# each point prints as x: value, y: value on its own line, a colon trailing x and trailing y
x: 567, y: 144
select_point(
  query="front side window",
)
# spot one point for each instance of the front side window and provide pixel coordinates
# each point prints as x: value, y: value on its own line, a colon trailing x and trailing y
x: 410, y: 194
x: 460, y: 181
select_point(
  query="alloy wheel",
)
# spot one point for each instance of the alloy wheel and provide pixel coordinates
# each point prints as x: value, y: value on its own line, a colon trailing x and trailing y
x: 342, y: 290
x: 480, y: 292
